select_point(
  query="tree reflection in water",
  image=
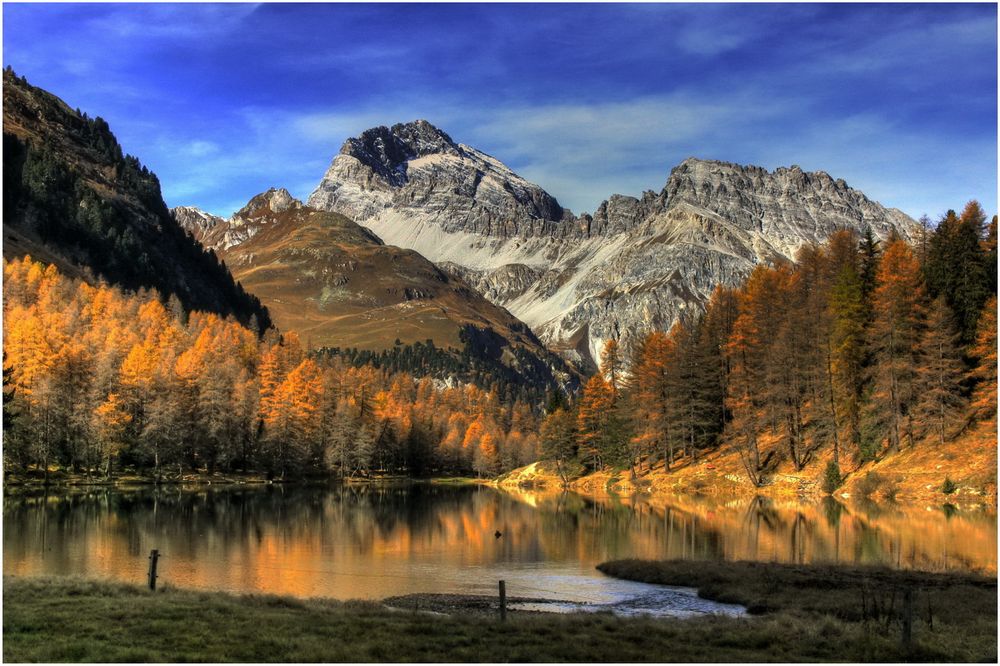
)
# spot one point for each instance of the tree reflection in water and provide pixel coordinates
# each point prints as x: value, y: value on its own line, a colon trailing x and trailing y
x: 374, y: 541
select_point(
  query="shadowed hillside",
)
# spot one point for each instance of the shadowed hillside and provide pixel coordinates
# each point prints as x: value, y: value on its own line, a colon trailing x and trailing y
x: 74, y: 199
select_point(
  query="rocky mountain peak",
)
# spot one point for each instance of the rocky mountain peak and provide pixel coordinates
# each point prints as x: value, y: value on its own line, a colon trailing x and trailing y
x: 219, y: 233
x: 387, y: 150
x: 636, y: 264
x: 417, y: 167
x: 788, y: 204
x: 195, y: 220
x: 275, y: 200
x: 694, y: 174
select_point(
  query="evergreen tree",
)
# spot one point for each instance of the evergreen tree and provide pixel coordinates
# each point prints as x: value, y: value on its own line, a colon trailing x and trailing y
x: 984, y: 395
x: 847, y: 343
x: 869, y: 255
x: 956, y: 267
x: 558, y: 439
x: 990, y: 255
x: 940, y: 373
x: 9, y: 393
x: 555, y: 401
x: 895, y: 333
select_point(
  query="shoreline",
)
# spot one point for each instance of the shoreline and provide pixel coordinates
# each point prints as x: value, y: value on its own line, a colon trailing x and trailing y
x: 709, y: 477
x: 535, y: 477
x: 528, y: 482
x: 62, y: 480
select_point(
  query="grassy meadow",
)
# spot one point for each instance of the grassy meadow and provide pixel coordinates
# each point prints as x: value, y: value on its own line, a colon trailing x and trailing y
x: 799, y: 614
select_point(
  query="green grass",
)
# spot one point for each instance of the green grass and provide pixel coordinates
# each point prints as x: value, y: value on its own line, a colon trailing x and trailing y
x: 68, y: 619
x: 455, y: 481
x: 954, y: 614
x: 59, y: 477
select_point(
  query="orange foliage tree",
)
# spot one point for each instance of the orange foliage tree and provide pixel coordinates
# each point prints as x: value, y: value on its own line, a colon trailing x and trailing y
x: 104, y: 378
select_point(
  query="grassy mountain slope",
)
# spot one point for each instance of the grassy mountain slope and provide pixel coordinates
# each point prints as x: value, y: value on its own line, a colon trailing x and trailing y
x: 338, y: 285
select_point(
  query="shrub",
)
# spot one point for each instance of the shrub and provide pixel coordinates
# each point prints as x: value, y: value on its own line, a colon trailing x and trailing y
x: 874, y: 483
x: 949, y: 486
x: 869, y: 484
x: 831, y: 477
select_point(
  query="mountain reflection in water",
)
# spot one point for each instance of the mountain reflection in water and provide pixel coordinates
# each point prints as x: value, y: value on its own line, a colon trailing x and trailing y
x: 379, y: 541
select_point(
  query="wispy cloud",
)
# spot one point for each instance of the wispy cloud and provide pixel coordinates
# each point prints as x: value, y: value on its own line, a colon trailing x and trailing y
x: 172, y: 21
x: 225, y: 100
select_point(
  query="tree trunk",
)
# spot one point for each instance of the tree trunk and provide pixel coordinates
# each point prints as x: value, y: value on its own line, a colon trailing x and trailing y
x: 833, y: 403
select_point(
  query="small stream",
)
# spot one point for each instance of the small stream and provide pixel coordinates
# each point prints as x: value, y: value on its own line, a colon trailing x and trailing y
x: 627, y: 598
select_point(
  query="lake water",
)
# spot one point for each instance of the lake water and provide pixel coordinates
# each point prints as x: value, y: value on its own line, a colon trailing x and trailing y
x: 374, y: 542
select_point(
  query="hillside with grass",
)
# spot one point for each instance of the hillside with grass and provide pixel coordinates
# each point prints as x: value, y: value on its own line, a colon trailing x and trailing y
x: 348, y: 294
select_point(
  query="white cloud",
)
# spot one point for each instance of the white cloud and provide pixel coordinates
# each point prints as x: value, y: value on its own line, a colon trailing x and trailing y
x: 184, y: 21
x: 584, y: 153
x: 200, y: 148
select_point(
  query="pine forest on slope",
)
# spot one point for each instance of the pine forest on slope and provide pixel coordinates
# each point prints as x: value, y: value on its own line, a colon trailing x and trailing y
x: 859, y: 353
x: 72, y: 198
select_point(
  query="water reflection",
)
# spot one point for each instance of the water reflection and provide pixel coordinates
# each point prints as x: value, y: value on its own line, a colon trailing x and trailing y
x: 373, y: 542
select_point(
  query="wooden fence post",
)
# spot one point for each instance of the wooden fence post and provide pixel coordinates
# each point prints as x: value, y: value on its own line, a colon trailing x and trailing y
x: 503, y: 601
x: 907, y: 637
x: 154, y: 555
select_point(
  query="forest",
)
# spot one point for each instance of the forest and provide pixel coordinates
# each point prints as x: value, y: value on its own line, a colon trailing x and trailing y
x: 98, y: 381
x: 480, y: 361
x: 858, y: 346
x: 861, y: 346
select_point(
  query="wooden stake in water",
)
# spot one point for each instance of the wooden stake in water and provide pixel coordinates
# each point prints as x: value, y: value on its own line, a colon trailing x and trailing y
x: 503, y: 601
x: 154, y: 555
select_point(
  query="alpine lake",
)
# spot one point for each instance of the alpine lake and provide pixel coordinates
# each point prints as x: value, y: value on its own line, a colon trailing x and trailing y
x: 387, y: 540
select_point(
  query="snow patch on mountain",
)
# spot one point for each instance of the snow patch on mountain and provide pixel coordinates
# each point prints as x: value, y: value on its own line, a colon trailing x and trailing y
x: 635, y: 265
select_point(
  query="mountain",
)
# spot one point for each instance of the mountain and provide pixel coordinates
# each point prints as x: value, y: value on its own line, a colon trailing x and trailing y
x: 220, y: 234
x: 636, y: 264
x: 72, y: 198
x: 196, y: 222
x: 337, y: 284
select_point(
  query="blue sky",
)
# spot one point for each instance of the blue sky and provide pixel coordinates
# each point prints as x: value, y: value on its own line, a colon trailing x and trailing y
x: 224, y: 101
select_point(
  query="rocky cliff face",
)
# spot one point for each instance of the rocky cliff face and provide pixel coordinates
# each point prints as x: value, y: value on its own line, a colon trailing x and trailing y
x: 221, y: 234
x: 196, y: 221
x: 634, y: 265
x: 417, y: 168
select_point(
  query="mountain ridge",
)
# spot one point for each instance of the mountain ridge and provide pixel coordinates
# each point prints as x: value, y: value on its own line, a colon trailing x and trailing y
x: 74, y: 199
x: 339, y: 286
x: 636, y: 264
